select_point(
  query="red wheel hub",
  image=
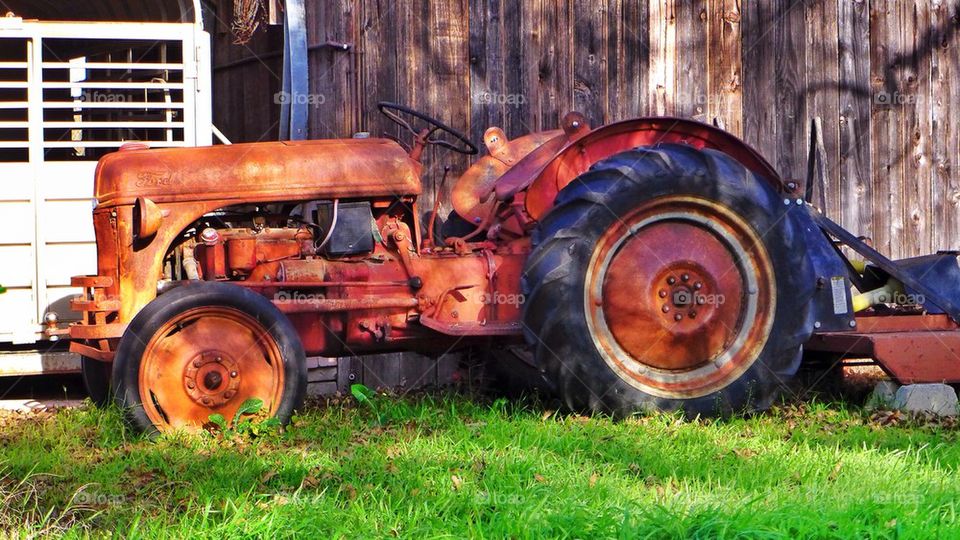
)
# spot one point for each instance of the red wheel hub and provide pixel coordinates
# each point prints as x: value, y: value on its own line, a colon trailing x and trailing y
x: 208, y: 360
x: 680, y: 297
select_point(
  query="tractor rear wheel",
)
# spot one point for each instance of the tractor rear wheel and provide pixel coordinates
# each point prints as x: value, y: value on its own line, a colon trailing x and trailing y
x: 668, y: 278
x: 206, y: 348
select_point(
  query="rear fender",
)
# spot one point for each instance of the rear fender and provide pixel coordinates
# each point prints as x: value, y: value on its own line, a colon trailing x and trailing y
x: 580, y: 153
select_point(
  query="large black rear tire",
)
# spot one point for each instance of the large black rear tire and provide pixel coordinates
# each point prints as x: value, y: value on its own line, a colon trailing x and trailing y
x: 617, y: 308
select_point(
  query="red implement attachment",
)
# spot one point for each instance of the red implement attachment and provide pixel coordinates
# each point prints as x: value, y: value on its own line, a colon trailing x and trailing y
x: 911, y: 348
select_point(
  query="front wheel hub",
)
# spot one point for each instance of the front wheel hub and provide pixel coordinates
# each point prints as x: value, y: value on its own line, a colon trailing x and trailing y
x: 211, y: 379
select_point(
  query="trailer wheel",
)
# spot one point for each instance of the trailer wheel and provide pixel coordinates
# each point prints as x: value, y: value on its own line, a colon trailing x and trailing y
x: 203, y: 349
x: 668, y: 278
x: 96, y: 380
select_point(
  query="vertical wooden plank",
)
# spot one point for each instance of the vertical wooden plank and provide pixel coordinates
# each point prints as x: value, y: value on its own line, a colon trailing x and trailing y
x: 914, y: 102
x: 589, y: 60
x: 554, y: 82
x: 724, y: 65
x: 823, y: 93
x: 886, y: 136
x: 516, y: 110
x: 382, y: 371
x: 663, y: 58
x: 790, y: 73
x: 945, y: 125
x: 629, y: 58
x: 332, y: 101
x: 690, y: 67
x: 343, y: 374
x: 759, y: 84
x: 856, y: 163
x: 378, y: 46
x: 417, y: 371
x: 486, y: 66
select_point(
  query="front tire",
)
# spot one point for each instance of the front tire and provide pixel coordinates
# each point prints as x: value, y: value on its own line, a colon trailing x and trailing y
x: 96, y: 380
x: 668, y: 278
x: 205, y: 348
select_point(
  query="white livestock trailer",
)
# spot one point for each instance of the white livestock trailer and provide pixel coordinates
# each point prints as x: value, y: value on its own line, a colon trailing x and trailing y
x: 69, y: 93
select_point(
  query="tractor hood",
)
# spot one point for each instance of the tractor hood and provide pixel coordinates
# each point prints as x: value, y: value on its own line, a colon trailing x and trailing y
x: 347, y: 168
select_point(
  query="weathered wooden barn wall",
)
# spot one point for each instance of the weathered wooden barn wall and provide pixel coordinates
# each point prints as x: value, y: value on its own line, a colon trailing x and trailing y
x: 883, y: 75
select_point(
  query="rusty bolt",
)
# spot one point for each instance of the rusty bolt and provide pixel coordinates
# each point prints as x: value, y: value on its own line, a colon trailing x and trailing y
x: 191, y: 385
x: 207, y: 401
x: 701, y: 300
x: 698, y: 286
x: 228, y: 394
x: 399, y: 236
x: 234, y: 374
x: 693, y: 314
x: 671, y: 280
x: 219, y: 359
x: 685, y: 277
x: 662, y: 293
x: 665, y: 309
x: 677, y: 317
x: 197, y: 363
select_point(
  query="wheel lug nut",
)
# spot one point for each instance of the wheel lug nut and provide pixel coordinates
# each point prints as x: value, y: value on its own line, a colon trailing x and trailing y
x: 234, y: 374
x: 228, y: 394
x: 191, y: 385
x: 207, y: 401
x: 693, y: 314
x: 662, y: 293
x: 677, y: 317
x: 197, y: 363
x: 671, y: 280
x: 665, y: 309
x: 700, y: 300
x: 685, y: 277
x: 698, y: 285
x: 219, y: 359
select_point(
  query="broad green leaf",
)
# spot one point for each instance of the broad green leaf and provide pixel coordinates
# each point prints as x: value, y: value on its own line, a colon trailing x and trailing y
x: 218, y: 420
x: 362, y: 393
x: 250, y: 406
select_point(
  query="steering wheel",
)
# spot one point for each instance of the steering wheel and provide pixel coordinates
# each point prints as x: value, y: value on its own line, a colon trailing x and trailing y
x: 392, y: 110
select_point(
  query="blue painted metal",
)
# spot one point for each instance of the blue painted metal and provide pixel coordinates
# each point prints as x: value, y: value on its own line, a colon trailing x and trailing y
x: 935, y: 279
x: 296, y: 76
x: 828, y: 269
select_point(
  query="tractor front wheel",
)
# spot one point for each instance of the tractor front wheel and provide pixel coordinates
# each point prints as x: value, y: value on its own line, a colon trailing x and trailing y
x: 668, y: 278
x: 204, y: 349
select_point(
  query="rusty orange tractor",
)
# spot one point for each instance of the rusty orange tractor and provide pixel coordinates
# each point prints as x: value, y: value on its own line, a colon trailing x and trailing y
x: 651, y: 263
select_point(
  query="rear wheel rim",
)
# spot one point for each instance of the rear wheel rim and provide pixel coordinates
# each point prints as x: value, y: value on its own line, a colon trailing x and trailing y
x: 680, y: 297
x: 205, y: 361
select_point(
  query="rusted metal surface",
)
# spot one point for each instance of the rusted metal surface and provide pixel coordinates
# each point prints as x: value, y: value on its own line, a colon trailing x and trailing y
x: 583, y: 151
x: 292, y: 170
x: 206, y: 361
x: 667, y: 297
x: 473, y: 195
x: 911, y: 348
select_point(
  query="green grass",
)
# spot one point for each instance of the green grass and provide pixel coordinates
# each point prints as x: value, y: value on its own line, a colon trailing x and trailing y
x: 445, y: 466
